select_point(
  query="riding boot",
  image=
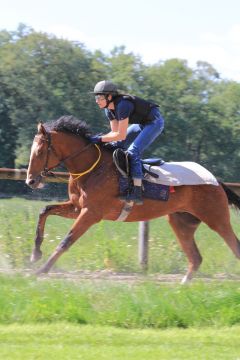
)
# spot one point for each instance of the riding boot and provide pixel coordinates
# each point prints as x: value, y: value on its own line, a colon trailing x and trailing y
x: 123, y: 197
x: 135, y: 195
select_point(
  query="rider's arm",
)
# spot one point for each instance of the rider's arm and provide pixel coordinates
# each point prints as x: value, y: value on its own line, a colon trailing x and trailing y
x: 118, y: 131
x: 114, y: 125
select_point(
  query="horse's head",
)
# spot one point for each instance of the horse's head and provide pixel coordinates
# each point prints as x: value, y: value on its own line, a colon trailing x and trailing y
x: 41, y: 158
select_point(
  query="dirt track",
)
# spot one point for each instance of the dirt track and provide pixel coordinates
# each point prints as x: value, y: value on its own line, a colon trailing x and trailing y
x: 108, y: 275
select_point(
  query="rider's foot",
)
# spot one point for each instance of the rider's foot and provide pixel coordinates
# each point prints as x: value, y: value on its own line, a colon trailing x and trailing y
x: 123, y: 197
x: 135, y: 195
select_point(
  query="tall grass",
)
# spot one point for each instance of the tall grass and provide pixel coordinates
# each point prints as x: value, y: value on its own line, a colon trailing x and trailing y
x: 107, y: 243
x: 142, y: 305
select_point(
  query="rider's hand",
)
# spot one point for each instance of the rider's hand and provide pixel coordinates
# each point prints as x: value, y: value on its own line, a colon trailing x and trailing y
x: 96, y: 139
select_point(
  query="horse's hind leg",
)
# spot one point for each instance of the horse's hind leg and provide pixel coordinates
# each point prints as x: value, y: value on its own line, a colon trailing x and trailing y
x: 64, y: 209
x: 184, y: 226
x: 214, y: 211
x: 221, y: 224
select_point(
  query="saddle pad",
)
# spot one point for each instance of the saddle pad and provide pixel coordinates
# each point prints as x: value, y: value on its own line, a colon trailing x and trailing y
x: 180, y: 173
x: 150, y: 190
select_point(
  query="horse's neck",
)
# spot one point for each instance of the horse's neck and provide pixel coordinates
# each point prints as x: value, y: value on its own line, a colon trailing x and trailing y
x: 80, y: 155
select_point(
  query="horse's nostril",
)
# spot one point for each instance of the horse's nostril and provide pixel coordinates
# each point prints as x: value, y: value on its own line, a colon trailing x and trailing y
x: 31, y: 182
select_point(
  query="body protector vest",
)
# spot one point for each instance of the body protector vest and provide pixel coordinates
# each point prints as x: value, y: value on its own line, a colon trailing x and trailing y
x: 142, y: 108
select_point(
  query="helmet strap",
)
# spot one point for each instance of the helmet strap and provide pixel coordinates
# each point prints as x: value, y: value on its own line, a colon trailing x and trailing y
x: 108, y: 102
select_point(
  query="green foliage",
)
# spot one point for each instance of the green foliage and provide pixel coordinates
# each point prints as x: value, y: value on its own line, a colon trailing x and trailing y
x: 126, y: 70
x: 199, y: 126
x: 8, y: 131
x: 7, y: 141
x: 48, y: 77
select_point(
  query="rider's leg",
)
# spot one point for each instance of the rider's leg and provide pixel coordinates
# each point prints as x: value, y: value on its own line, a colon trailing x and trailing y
x: 142, y: 141
x: 132, y: 132
x: 136, y: 174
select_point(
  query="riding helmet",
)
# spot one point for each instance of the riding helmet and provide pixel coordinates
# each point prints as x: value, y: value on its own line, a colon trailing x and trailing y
x: 105, y: 87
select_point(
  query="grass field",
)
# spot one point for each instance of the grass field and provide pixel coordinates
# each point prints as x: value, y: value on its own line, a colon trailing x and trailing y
x: 50, y: 318
x: 59, y: 319
x: 64, y: 341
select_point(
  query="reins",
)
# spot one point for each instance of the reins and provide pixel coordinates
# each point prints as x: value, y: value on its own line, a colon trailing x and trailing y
x: 91, y: 168
x: 47, y: 172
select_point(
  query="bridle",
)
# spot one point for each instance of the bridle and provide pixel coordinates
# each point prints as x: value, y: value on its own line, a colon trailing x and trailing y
x: 46, y: 171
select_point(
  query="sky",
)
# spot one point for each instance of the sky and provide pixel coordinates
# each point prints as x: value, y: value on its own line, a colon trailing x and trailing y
x: 156, y: 30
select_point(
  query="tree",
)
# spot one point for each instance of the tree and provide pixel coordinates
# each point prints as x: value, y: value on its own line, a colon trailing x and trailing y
x: 49, y: 76
x: 126, y: 70
x: 8, y: 133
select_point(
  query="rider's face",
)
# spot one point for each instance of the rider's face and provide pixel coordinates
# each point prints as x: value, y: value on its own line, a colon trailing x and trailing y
x: 101, y: 101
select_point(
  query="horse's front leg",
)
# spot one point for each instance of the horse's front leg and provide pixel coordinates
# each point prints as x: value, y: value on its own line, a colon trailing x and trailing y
x: 86, y: 219
x: 65, y: 209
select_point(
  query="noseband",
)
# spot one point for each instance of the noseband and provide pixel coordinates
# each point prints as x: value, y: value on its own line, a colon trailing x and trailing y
x: 46, y: 171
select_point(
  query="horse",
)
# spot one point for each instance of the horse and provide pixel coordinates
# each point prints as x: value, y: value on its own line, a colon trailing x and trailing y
x: 93, y: 189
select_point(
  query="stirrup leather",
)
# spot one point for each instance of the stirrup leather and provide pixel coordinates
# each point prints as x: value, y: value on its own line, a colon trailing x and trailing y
x: 121, y: 161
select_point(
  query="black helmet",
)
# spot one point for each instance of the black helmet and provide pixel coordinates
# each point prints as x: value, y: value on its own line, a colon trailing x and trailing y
x: 105, y: 87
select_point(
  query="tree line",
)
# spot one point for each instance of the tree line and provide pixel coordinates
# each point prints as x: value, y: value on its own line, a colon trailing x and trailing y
x: 43, y: 77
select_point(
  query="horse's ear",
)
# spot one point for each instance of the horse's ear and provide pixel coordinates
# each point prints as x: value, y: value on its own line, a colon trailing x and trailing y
x: 41, y: 129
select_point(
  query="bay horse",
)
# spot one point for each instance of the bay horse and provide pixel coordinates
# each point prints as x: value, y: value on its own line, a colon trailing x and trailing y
x: 93, y: 194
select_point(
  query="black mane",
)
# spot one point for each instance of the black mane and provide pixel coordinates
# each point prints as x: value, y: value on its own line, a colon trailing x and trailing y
x: 72, y: 125
x: 69, y: 124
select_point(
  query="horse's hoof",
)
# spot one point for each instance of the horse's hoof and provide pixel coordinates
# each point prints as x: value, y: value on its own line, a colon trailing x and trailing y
x: 42, y: 270
x: 186, y: 279
x: 36, y: 255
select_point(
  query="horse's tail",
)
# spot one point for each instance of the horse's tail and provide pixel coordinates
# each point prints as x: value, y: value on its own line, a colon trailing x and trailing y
x: 233, y: 198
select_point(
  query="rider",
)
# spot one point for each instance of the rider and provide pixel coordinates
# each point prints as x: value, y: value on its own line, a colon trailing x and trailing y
x: 146, y: 124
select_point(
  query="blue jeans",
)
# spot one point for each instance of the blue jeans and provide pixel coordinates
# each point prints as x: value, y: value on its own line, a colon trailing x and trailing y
x: 139, y: 138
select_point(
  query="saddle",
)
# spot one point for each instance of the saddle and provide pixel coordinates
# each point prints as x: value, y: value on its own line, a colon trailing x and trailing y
x: 154, y: 191
x: 121, y: 160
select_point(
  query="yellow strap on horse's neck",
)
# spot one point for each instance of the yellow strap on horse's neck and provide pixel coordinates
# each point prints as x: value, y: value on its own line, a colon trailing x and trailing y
x: 91, y: 168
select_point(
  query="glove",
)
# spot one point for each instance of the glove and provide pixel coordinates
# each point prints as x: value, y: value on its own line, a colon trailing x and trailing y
x: 96, y: 139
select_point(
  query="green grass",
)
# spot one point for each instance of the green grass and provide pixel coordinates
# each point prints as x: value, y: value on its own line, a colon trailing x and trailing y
x: 140, y: 305
x: 111, y: 240
x: 68, y: 341
x: 87, y: 319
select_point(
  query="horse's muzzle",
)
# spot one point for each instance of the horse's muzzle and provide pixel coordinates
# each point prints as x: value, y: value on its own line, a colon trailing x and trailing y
x: 36, y: 183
